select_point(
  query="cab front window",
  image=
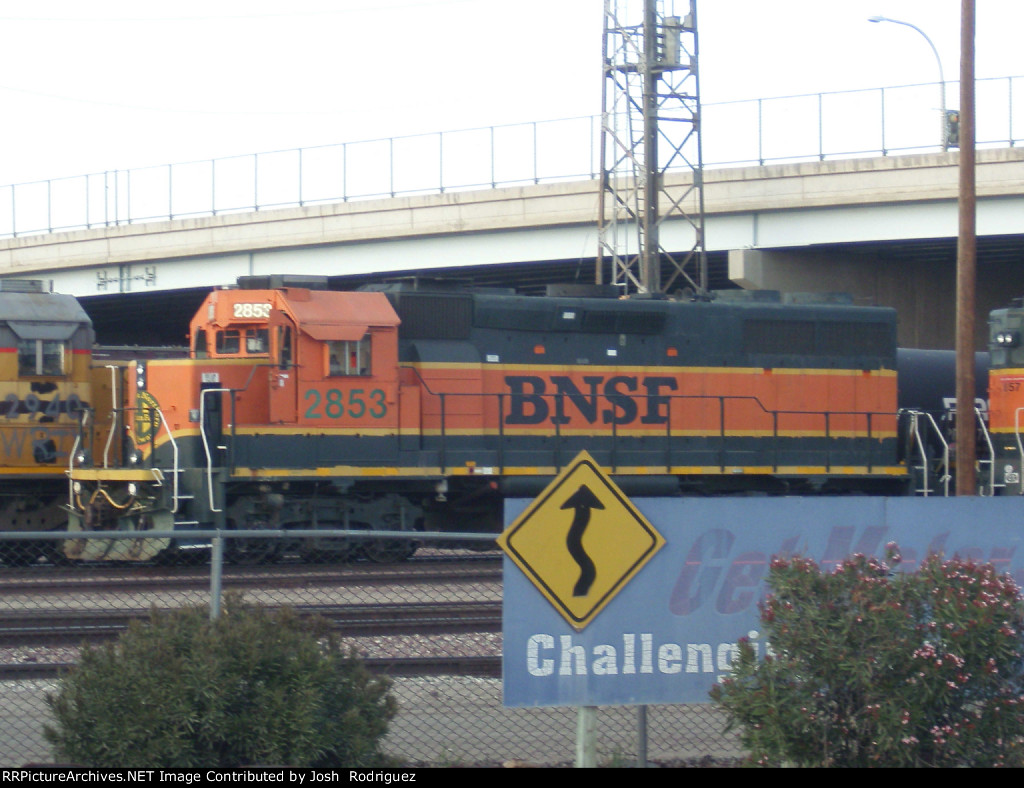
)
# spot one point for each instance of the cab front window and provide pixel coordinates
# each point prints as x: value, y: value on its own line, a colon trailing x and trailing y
x: 41, y: 357
x: 243, y: 341
x: 257, y: 341
x: 228, y: 341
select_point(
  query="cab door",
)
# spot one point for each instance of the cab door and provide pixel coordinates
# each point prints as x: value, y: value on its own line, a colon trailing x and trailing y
x: 284, y: 371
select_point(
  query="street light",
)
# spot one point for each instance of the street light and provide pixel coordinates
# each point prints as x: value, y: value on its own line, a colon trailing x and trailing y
x: 942, y: 80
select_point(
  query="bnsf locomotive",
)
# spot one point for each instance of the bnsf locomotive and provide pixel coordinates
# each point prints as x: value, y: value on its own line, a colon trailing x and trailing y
x: 422, y: 406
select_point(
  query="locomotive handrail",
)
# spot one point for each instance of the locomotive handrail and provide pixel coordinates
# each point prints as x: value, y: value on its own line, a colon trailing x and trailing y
x: 915, y: 416
x: 829, y: 418
x: 991, y: 452
x: 175, y: 471
x: 74, y: 451
x: 443, y: 455
x: 175, y: 453
x: 113, y: 414
x: 1020, y: 447
x: 206, y: 442
x: 441, y: 395
x: 420, y: 378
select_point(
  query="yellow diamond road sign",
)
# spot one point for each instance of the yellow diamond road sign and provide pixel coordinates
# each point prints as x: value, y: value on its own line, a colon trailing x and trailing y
x: 580, y: 541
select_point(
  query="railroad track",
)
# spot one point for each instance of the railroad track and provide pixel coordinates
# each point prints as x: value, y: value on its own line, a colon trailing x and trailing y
x: 61, y: 628
x: 397, y: 667
x: 32, y: 621
x: 150, y: 580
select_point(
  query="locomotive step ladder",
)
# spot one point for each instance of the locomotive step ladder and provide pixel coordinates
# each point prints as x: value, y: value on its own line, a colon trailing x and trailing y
x: 922, y: 470
x: 989, y: 462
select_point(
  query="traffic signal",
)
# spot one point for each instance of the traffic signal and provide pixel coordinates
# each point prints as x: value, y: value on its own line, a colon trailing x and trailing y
x: 952, y: 128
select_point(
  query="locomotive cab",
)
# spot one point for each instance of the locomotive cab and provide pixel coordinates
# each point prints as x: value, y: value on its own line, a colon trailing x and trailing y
x: 282, y: 379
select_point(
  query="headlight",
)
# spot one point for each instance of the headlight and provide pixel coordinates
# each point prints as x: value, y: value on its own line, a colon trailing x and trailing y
x: 82, y: 457
x: 1008, y: 338
x: 132, y: 488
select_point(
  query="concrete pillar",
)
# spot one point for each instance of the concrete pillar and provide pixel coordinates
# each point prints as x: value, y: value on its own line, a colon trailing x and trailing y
x: 922, y: 293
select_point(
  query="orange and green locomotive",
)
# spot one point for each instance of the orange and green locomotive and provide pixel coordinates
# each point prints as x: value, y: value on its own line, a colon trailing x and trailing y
x: 422, y: 406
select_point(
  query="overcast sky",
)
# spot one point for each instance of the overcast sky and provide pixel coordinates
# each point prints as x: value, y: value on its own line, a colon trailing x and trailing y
x: 113, y: 84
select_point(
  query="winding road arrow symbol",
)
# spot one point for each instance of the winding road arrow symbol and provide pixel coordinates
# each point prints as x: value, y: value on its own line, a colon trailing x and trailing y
x: 583, y: 500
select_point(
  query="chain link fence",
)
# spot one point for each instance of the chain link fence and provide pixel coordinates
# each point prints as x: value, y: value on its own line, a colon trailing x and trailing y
x: 433, y: 623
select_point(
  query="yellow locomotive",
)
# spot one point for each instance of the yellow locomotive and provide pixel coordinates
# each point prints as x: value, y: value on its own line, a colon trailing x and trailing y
x: 46, y: 367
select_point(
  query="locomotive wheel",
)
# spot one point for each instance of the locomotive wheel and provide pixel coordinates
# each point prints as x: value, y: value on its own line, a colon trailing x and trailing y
x: 328, y: 551
x: 388, y: 551
x: 20, y: 553
x: 251, y: 552
x: 54, y: 553
x: 332, y: 555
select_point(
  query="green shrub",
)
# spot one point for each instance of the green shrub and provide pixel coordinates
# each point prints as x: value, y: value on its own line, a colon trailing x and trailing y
x: 866, y: 667
x: 251, y: 688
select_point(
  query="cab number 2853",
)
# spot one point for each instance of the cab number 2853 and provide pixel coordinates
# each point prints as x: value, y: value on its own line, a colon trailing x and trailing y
x: 354, y: 403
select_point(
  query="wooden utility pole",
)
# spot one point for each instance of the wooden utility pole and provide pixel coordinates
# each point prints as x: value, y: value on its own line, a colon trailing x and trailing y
x: 966, y: 275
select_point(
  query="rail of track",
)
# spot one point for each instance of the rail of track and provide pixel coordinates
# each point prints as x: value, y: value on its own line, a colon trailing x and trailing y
x: 61, y: 628
x: 59, y: 580
x: 475, y: 666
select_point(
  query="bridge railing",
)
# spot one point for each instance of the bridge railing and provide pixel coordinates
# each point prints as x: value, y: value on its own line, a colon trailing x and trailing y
x: 811, y: 127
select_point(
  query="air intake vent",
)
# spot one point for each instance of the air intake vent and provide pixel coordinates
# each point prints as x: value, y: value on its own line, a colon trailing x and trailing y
x: 433, y: 315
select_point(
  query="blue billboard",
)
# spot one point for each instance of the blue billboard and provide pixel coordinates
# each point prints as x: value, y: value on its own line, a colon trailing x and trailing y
x: 670, y: 633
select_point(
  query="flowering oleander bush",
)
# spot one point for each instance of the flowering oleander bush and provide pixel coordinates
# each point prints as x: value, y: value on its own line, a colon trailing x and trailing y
x: 252, y: 688
x: 867, y: 667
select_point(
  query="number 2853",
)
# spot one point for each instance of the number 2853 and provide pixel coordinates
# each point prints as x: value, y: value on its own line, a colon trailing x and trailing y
x: 354, y: 403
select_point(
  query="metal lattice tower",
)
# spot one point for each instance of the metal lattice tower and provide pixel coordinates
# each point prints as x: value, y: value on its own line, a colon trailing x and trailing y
x: 651, y: 168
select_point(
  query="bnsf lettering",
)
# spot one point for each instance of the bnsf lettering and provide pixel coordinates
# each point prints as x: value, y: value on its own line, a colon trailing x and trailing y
x: 621, y: 395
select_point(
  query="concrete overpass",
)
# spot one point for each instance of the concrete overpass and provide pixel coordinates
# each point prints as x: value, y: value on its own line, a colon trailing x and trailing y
x: 880, y: 228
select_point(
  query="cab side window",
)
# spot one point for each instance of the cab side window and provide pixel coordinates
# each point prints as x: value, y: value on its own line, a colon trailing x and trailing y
x: 200, y: 347
x: 284, y: 345
x: 348, y: 357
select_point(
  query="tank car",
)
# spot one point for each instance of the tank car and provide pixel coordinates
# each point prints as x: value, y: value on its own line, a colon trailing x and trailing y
x: 418, y: 406
x: 927, y: 426
x: 45, y: 343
